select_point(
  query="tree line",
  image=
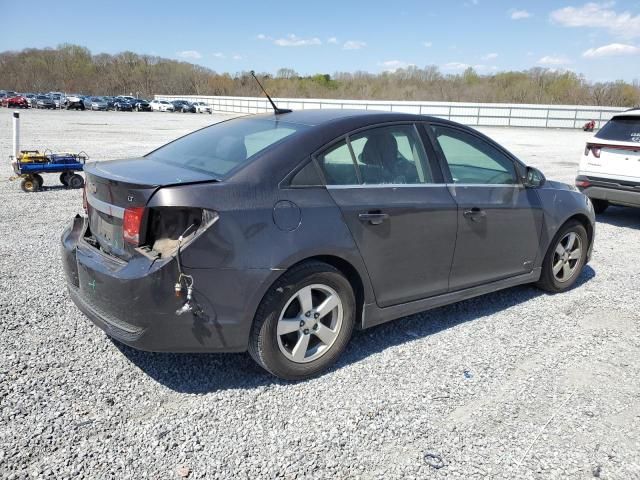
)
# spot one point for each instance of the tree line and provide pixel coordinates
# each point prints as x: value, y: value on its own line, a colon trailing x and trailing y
x: 73, y: 68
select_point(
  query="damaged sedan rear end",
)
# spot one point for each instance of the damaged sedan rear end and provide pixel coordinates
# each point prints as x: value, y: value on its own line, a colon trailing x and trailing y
x: 144, y: 263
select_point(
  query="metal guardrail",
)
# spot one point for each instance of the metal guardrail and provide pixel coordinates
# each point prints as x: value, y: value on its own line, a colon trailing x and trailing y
x: 474, y: 114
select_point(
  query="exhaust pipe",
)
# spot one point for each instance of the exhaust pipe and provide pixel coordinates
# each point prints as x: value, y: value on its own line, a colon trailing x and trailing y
x: 16, y: 135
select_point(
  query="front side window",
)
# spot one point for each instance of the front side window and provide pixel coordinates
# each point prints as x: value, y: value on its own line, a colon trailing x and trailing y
x: 473, y: 160
x: 220, y: 148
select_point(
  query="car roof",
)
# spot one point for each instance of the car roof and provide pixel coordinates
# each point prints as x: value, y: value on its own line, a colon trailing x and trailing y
x: 632, y: 112
x: 314, y: 117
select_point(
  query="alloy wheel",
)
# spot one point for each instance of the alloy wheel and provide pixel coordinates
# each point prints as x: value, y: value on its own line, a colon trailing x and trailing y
x: 567, y: 256
x: 309, y: 323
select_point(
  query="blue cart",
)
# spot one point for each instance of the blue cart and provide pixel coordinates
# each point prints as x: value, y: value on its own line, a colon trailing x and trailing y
x: 31, y: 164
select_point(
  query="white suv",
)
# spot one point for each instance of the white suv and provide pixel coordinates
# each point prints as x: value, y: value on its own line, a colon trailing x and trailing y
x: 161, y: 106
x: 609, y: 171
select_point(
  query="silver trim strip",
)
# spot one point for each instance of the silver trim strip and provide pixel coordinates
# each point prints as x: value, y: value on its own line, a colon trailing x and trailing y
x: 105, y: 207
x: 422, y: 185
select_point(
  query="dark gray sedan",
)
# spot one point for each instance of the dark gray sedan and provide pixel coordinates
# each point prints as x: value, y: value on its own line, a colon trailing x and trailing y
x: 280, y: 234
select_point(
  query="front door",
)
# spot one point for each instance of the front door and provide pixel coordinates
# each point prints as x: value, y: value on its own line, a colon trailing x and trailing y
x: 499, y: 220
x: 402, y: 217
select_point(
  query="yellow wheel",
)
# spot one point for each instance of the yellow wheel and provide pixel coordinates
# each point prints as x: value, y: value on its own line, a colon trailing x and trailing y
x: 30, y: 184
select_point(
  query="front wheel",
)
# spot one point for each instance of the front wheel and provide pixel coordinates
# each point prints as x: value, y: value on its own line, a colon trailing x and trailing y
x: 565, y: 258
x: 29, y: 185
x: 599, y: 206
x: 304, y: 323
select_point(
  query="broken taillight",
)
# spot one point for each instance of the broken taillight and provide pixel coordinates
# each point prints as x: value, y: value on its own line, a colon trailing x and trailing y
x: 132, y: 225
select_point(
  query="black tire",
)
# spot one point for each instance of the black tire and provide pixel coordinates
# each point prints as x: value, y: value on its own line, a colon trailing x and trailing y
x: 548, y: 280
x: 64, y: 178
x: 599, y: 206
x: 29, y: 185
x: 38, y: 178
x: 75, y: 181
x: 264, y: 343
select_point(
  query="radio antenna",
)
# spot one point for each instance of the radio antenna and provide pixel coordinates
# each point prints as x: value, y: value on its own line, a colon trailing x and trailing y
x: 276, y: 110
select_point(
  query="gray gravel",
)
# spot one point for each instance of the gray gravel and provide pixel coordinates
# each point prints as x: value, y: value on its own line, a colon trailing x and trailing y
x: 515, y: 384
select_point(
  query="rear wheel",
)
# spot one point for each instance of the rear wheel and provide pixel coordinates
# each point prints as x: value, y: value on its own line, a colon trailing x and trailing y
x: 304, y: 323
x: 599, y: 206
x: 565, y: 258
x: 75, y: 181
x: 64, y: 178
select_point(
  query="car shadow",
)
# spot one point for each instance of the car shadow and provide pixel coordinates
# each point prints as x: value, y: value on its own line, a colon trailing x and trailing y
x: 205, y: 373
x: 627, y: 217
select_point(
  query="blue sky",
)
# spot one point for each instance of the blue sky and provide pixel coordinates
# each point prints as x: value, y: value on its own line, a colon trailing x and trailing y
x: 599, y: 39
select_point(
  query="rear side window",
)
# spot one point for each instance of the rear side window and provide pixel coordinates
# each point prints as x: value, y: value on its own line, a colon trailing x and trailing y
x: 224, y: 146
x: 473, y: 160
x: 392, y: 155
x: 337, y: 165
x: 623, y: 129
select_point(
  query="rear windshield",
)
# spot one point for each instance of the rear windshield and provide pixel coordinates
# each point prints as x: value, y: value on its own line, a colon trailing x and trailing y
x: 220, y: 148
x: 625, y: 129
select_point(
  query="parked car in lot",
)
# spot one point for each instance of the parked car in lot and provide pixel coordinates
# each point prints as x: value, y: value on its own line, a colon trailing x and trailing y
x: 98, y: 103
x: 280, y: 234
x: 122, y: 104
x: 609, y: 171
x: 141, y: 105
x: 74, y: 102
x: 15, y: 101
x: 201, y: 107
x: 182, y: 106
x: 43, y: 101
x: 161, y: 106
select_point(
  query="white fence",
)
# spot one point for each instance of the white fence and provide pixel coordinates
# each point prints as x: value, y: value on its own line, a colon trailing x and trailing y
x: 478, y: 114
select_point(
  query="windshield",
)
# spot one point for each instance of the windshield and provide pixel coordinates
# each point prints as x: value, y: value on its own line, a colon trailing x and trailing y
x: 221, y: 147
x: 624, y: 129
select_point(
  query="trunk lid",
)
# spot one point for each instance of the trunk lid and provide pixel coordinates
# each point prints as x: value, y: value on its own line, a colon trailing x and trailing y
x: 113, y: 186
x: 616, y: 159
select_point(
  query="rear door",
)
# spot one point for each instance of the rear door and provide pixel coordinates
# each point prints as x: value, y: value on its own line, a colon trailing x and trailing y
x: 402, y: 217
x: 499, y: 220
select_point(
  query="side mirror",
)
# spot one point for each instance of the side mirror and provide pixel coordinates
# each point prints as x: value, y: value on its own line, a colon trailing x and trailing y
x: 534, y: 178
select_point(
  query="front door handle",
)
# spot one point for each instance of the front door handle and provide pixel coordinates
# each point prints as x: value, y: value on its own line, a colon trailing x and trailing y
x: 475, y: 214
x: 374, y: 218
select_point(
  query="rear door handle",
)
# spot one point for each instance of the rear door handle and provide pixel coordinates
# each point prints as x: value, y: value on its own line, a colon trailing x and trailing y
x: 374, y: 218
x: 475, y: 213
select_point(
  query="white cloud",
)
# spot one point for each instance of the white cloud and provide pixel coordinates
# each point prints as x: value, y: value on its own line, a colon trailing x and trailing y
x: 237, y: 57
x: 292, y: 40
x: 599, y: 15
x: 427, y: 44
x: 393, y: 65
x: 332, y: 40
x: 519, y: 14
x: 490, y: 56
x: 353, y: 45
x: 553, y: 60
x: 612, y: 50
x: 218, y: 55
x: 455, y: 66
x: 262, y: 36
x: 190, y: 54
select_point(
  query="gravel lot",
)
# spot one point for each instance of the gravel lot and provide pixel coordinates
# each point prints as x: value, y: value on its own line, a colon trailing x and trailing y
x: 515, y: 384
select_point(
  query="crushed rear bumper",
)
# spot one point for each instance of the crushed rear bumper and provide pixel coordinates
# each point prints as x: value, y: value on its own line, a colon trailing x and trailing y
x: 135, y: 302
